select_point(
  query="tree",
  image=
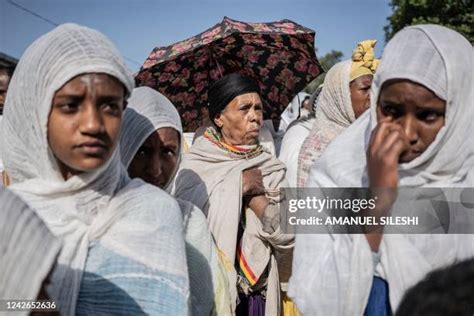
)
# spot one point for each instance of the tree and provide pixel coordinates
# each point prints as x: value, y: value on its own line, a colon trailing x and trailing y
x: 455, y: 14
x: 327, y: 61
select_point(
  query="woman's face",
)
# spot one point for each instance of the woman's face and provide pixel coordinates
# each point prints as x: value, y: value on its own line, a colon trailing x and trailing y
x: 84, y: 122
x: 416, y: 109
x: 360, y: 94
x: 157, y: 159
x: 241, y: 120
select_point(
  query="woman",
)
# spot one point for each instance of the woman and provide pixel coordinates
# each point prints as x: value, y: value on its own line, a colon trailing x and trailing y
x: 151, y: 150
x: 229, y: 176
x: 28, y: 252
x: 123, y: 246
x: 344, y: 97
x: 294, y: 111
x: 414, y: 136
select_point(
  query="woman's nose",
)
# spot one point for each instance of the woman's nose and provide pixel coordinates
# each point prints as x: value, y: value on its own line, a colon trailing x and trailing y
x: 91, y: 122
x: 410, y: 127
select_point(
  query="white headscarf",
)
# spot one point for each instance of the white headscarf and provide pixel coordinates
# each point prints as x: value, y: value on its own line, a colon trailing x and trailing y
x: 81, y: 209
x: 442, y: 60
x: 334, y: 113
x: 292, y: 111
x: 147, y: 111
x: 27, y: 250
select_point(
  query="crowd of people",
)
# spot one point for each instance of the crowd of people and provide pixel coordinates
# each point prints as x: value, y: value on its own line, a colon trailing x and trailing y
x: 105, y: 208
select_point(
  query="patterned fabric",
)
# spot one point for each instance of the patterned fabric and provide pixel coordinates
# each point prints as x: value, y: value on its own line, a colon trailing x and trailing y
x: 279, y: 55
x: 334, y: 113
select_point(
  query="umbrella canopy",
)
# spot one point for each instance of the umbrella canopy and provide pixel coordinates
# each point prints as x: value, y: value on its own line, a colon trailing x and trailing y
x: 279, y: 55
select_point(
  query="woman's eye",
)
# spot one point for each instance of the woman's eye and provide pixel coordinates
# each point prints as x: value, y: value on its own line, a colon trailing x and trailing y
x: 69, y: 107
x: 428, y: 116
x: 389, y: 110
x: 143, y: 151
x: 111, y: 107
x: 169, y: 152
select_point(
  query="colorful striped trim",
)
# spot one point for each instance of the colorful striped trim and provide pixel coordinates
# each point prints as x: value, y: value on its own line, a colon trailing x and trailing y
x: 215, y: 138
x: 245, y: 268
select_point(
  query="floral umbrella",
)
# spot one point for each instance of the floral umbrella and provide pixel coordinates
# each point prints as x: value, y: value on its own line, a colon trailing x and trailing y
x: 279, y: 55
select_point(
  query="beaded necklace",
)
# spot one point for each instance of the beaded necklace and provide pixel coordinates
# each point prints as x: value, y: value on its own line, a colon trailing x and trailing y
x: 247, y: 153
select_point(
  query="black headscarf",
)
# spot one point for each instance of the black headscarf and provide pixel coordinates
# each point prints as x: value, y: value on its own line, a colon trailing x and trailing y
x: 224, y: 90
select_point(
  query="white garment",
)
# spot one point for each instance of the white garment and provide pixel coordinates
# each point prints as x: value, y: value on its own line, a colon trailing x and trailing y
x: 292, y: 111
x: 1, y: 159
x: 83, y: 209
x: 337, y: 270
x: 291, y: 145
x: 28, y: 250
x: 148, y: 111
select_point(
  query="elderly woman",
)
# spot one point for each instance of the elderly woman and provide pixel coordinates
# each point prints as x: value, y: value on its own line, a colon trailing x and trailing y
x: 415, y: 135
x: 28, y: 252
x: 236, y: 184
x: 150, y: 146
x: 123, y: 246
x: 344, y: 97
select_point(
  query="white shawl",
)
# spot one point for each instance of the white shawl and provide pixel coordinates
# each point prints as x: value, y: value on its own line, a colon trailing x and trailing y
x: 337, y: 270
x: 334, y: 113
x: 291, y: 146
x: 148, y: 111
x: 28, y: 250
x: 211, y: 178
x: 84, y: 208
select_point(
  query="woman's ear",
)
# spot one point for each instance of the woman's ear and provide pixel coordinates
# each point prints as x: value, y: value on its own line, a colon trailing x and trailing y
x: 218, y: 120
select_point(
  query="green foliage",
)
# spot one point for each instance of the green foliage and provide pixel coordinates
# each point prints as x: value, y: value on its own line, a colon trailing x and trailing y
x: 327, y: 61
x: 455, y: 14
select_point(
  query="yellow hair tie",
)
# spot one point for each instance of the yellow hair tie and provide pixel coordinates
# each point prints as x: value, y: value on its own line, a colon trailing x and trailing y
x: 363, y: 60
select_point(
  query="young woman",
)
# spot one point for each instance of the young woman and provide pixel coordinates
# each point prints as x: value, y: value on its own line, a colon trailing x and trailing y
x: 150, y: 146
x: 123, y: 248
x: 416, y: 135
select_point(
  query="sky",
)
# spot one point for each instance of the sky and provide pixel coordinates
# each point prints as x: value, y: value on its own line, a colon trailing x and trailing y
x: 137, y: 26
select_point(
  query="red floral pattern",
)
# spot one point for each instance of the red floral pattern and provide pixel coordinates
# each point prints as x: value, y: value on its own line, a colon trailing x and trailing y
x: 278, y: 55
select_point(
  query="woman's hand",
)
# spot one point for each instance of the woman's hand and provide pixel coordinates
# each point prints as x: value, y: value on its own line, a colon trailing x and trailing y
x: 387, y: 142
x: 252, y: 183
x: 253, y: 191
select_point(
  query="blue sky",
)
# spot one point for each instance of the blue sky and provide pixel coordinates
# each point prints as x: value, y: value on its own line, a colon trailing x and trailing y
x: 137, y: 26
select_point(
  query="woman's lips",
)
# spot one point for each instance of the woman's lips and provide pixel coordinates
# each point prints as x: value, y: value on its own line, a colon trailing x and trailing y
x: 254, y: 132
x: 409, y: 156
x: 94, y: 148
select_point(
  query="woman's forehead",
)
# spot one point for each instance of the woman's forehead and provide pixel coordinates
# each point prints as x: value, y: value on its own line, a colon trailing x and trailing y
x: 251, y: 97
